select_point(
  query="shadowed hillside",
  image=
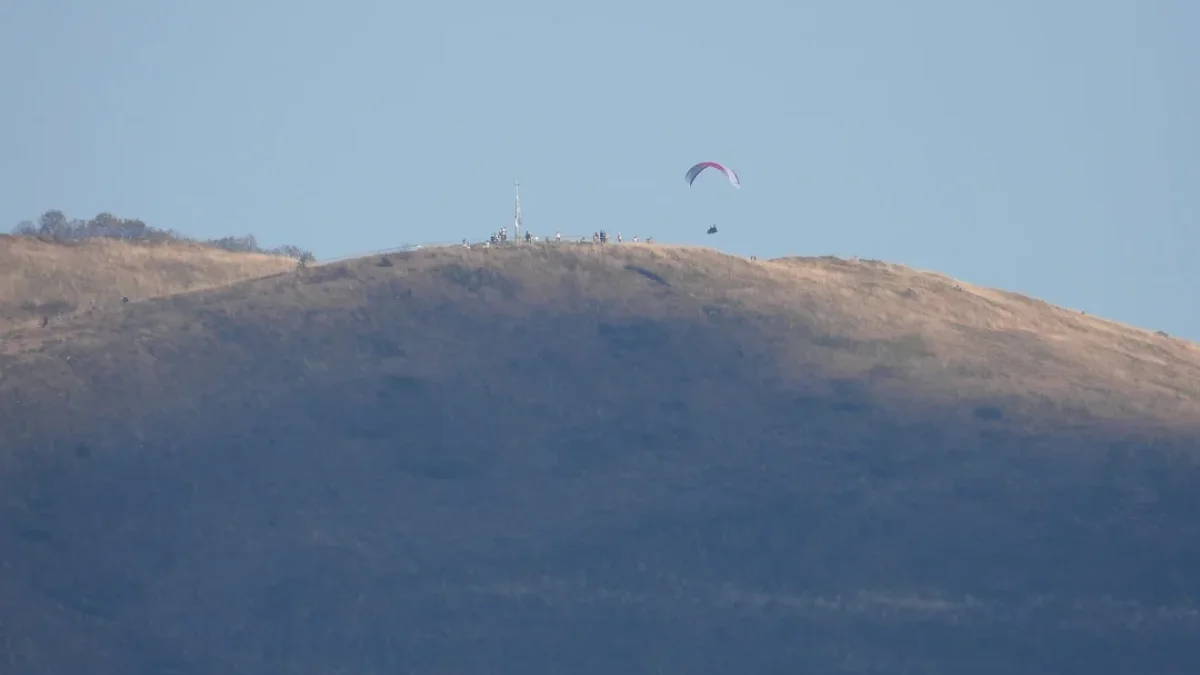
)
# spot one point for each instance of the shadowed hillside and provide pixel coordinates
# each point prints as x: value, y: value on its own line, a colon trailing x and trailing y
x: 45, y: 279
x: 585, y: 459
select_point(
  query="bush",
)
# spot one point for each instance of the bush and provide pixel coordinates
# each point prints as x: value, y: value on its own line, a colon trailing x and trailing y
x: 54, y: 226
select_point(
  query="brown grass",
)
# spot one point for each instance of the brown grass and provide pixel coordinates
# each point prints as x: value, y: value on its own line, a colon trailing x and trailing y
x: 39, y: 278
x: 919, y: 340
x: 996, y: 342
x: 904, y: 328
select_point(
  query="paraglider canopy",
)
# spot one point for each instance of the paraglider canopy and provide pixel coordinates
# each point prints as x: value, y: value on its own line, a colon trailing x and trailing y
x: 729, y: 173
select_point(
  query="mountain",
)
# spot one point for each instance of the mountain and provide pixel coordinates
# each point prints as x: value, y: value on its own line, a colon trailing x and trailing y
x: 598, y: 459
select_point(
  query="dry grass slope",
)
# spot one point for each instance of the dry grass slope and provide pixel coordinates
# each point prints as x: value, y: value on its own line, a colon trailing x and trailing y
x: 918, y: 340
x: 599, y: 459
x: 39, y: 278
x: 1010, y: 343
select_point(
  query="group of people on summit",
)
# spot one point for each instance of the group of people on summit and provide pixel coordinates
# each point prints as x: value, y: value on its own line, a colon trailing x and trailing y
x: 600, y: 237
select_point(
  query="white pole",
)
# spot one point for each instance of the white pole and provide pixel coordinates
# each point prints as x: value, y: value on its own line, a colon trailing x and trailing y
x: 517, y: 214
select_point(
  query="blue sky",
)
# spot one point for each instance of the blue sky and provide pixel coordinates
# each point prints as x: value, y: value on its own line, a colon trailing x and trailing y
x: 1051, y: 148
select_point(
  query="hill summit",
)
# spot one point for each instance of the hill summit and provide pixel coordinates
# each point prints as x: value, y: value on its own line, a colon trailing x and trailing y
x: 596, y: 459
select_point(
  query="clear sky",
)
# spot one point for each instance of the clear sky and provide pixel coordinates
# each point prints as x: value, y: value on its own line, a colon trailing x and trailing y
x: 1050, y: 147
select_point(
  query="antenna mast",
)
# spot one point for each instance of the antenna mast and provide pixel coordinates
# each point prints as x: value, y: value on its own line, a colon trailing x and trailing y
x: 517, y: 214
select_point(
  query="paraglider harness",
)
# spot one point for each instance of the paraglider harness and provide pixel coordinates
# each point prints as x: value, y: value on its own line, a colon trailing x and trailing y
x: 712, y: 229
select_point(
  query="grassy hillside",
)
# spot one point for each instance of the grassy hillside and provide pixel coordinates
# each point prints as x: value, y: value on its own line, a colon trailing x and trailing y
x: 44, y: 279
x: 595, y: 460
